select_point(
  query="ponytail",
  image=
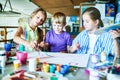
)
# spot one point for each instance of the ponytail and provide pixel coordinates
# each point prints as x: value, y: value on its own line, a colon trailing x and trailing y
x: 100, y: 24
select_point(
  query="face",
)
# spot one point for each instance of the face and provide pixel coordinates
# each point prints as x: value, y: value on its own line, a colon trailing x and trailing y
x: 58, y: 28
x: 89, y: 24
x: 38, y: 19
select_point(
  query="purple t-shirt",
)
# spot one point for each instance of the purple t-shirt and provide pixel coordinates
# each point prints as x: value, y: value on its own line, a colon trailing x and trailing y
x: 58, y: 42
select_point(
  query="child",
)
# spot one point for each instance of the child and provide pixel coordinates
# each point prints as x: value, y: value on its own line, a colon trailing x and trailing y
x: 29, y: 35
x: 89, y: 43
x: 57, y: 39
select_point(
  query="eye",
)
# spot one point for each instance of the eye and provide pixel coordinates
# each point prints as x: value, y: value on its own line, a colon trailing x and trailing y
x: 38, y: 17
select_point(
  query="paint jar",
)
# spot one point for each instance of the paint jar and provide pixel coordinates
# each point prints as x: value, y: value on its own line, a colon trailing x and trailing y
x: 2, y: 58
x: 16, y: 64
x: 32, y: 65
x: 103, y: 56
x: 94, y: 75
x: 22, y: 56
x: 46, y: 67
x: 64, y: 69
x: 58, y: 67
x: 94, y: 58
x: 52, y: 68
x: 21, y: 47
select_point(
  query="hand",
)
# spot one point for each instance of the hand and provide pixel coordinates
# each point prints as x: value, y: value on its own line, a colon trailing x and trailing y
x: 33, y: 44
x: 41, y: 44
x: 76, y: 46
x: 115, y: 34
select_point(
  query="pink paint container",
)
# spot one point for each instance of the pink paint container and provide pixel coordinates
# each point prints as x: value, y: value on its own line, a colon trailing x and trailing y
x: 22, y: 57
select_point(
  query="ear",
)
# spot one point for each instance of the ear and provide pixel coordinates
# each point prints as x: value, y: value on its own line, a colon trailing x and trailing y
x: 97, y: 22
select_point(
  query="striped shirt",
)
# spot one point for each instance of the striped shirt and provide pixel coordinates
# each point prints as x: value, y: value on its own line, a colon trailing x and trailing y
x: 29, y: 35
x: 104, y: 43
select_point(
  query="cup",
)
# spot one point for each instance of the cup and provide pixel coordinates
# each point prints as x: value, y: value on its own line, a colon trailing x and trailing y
x: 2, y: 58
x: 94, y: 58
x: 16, y: 64
x: 94, y: 75
x: 52, y: 68
x: 58, y: 67
x: 7, y: 46
x: 46, y: 67
x: 32, y: 65
x: 21, y: 48
x: 64, y: 69
x: 22, y: 57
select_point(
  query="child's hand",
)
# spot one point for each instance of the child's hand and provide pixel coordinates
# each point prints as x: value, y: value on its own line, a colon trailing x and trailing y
x: 114, y: 34
x: 33, y: 44
x: 42, y: 44
x: 76, y: 46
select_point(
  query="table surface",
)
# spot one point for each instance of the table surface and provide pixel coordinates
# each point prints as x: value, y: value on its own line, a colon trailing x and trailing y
x: 77, y: 75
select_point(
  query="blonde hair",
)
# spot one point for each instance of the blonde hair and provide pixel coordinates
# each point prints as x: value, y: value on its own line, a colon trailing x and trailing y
x: 37, y: 10
x: 59, y: 18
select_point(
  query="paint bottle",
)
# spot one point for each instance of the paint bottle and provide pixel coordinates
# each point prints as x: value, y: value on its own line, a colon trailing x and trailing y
x: 52, y: 68
x: 32, y: 65
x: 46, y: 67
x: 94, y: 75
x: 2, y: 60
x: 94, y: 58
x: 103, y: 56
x: 58, y: 66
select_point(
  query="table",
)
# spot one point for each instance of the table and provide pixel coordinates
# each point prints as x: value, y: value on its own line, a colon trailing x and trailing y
x: 79, y: 74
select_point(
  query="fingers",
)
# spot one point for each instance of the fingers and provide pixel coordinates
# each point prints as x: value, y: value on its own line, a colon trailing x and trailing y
x: 33, y: 44
x: 42, y: 44
x: 77, y: 45
x: 114, y: 34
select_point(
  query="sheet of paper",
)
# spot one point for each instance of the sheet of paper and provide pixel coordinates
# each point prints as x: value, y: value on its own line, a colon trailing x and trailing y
x: 80, y: 60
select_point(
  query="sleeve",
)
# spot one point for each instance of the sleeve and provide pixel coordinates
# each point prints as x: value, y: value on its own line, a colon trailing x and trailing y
x: 77, y: 39
x: 47, y: 37
x: 69, y: 40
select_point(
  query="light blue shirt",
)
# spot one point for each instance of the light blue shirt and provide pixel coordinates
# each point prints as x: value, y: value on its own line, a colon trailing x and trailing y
x: 104, y: 43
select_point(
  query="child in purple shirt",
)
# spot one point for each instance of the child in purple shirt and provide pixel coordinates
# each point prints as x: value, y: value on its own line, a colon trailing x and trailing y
x: 56, y: 39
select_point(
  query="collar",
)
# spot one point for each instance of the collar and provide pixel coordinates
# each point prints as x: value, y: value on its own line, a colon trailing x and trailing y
x: 29, y: 29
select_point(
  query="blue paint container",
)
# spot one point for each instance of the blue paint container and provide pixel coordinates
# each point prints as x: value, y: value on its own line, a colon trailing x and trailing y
x: 52, y: 68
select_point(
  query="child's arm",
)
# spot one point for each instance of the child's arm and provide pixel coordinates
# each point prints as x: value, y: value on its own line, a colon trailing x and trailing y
x: 74, y: 47
x: 115, y: 35
x: 19, y: 40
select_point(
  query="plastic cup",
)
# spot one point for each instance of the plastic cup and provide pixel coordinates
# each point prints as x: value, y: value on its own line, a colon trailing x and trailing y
x: 2, y: 58
x: 22, y: 56
x: 46, y: 67
x: 94, y: 75
x: 52, y: 68
x: 32, y: 65
x: 7, y: 46
x: 58, y: 67
x: 16, y: 64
